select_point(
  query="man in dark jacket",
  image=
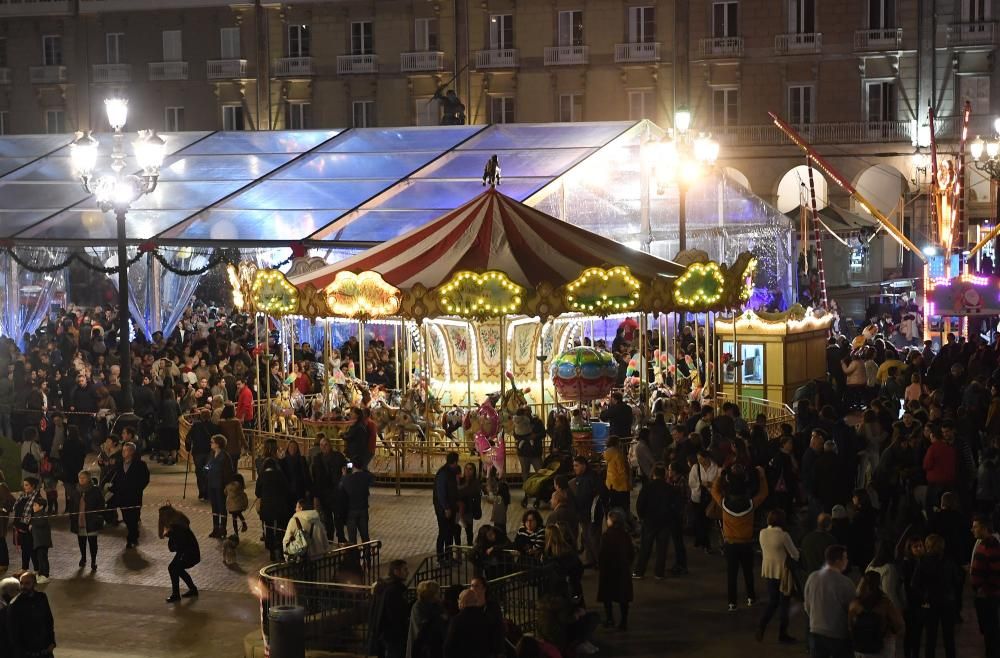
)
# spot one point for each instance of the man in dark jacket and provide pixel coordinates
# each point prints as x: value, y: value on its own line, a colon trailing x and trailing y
x: 619, y: 416
x: 585, y: 488
x: 129, y: 481
x: 446, y: 503
x: 356, y: 438
x: 392, y: 608
x: 563, y: 514
x: 356, y: 487
x: 325, y: 472
x: 199, y: 445
x: 467, y: 630
x: 30, y: 617
x: 657, y: 506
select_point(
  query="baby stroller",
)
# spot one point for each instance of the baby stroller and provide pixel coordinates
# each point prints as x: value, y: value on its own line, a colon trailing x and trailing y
x: 541, y: 484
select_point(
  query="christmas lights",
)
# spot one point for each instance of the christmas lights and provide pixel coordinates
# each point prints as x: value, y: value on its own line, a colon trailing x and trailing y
x: 603, y: 291
x: 487, y: 295
x: 273, y: 294
x: 362, y: 296
x: 700, y: 286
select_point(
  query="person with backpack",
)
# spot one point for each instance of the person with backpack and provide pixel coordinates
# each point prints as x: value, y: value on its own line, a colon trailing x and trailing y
x: 31, y: 454
x: 428, y: 623
x: 733, y: 491
x: 874, y: 622
x: 184, y: 545
x: 305, y: 537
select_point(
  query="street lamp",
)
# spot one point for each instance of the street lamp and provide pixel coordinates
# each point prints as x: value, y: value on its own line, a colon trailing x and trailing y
x: 117, y: 192
x: 991, y: 149
x: 682, y: 158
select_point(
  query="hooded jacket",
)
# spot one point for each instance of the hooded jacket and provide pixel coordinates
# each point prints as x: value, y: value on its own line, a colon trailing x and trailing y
x: 315, y: 531
x: 738, y: 510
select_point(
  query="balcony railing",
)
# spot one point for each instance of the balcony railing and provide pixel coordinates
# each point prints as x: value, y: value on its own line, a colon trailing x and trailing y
x: 357, y: 64
x: 972, y: 34
x: 111, y: 72
x: 562, y: 55
x: 890, y: 38
x: 35, y: 7
x: 226, y: 69
x: 168, y: 70
x: 856, y: 132
x: 47, y: 75
x: 722, y: 47
x: 799, y: 42
x: 626, y: 53
x: 287, y: 67
x: 431, y: 60
x: 502, y: 58
x: 4, y: 76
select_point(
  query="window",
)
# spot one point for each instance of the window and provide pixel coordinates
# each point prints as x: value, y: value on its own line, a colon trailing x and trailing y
x: 724, y: 19
x: 976, y: 90
x: 362, y: 38
x: 114, y: 46
x: 571, y: 107
x: 641, y: 24
x: 801, y: 16
x: 363, y: 113
x: 881, y: 14
x: 725, y: 106
x: 173, y: 119
x: 975, y: 11
x: 299, y: 116
x: 800, y: 104
x: 232, y: 117
x: 4, y: 122
x: 881, y: 101
x: 640, y: 104
x: 570, y: 28
x: 501, y: 31
x: 55, y: 122
x: 230, y: 43
x: 52, y: 50
x: 427, y: 111
x: 298, y: 41
x: 501, y: 109
x: 425, y: 35
x: 172, y: 46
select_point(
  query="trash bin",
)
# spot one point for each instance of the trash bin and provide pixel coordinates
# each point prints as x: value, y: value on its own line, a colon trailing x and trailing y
x: 599, y: 435
x: 287, y: 631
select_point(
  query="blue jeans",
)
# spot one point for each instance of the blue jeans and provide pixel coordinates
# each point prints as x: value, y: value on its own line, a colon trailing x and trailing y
x: 821, y: 646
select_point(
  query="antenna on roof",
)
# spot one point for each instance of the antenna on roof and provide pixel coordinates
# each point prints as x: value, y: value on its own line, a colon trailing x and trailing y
x: 491, y: 173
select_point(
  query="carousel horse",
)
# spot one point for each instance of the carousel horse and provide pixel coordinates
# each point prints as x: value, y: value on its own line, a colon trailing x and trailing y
x: 451, y: 422
x: 483, y: 423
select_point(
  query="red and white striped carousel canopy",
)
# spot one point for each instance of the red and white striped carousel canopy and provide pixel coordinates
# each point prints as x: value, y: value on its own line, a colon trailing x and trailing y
x: 493, y: 232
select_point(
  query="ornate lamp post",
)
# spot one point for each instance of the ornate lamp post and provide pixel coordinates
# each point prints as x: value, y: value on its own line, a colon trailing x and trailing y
x: 116, y: 192
x: 681, y: 159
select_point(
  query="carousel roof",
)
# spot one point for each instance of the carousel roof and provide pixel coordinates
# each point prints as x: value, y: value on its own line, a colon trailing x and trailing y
x: 493, y: 232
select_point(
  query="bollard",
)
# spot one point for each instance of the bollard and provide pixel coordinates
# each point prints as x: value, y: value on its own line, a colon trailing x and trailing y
x: 287, y: 631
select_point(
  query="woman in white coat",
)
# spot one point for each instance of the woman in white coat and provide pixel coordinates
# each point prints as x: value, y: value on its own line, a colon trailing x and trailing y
x: 777, y: 546
x: 312, y: 527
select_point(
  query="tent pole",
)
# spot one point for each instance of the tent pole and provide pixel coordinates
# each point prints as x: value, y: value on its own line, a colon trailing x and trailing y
x: 468, y: 366
x: 395, y: 350
x: 326, y: 365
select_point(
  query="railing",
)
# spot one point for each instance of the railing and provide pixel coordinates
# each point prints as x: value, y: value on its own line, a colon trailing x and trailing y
x: 562, y: 55
x: 798, y: 42
x: 431, y: 60
x: 503, y: 58
x: 226, y: 69
x: 972, y: 34
x: 4, y: 76
x: 459, y: 567
x: 722, y: 47
x: 637, y: 52
x: 858, y: 132
x: 775, y: 412
x: 168, y: 70
x: 111, y: 72
x: 335, y: 591
x: 518, y: 594
x: 879, y: 39
x: 35, y: 7
x: 357, y: 64
x: 292, y: 66
x: 45, y: 75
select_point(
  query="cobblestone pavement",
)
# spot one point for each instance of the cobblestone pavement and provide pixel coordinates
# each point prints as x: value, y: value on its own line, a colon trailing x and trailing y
x: 118, y: 611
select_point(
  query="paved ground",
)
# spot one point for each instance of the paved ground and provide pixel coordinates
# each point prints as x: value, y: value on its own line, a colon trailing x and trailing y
x: 119, y: 611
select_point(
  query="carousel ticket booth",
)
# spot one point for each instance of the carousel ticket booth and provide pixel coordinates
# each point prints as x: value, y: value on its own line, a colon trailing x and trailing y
x: 770, y: 355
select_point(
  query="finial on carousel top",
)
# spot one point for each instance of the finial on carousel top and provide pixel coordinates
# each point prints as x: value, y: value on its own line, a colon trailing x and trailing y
x: 491, y: 173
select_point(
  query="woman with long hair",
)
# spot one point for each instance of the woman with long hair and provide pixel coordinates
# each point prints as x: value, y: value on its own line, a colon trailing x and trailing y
x: 273, y: 494
x: 470, y: 505
x: 615, y: 564
x: 776, y: 548
x: 873, y: 621
x: 85, y: 520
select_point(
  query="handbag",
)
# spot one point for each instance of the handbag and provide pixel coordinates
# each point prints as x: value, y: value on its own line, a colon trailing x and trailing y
x: 713, y: 511
x: 298, y: 545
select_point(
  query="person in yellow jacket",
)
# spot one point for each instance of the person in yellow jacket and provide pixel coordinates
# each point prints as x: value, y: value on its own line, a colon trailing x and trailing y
x: 617, y: 480
x: 733, y: 492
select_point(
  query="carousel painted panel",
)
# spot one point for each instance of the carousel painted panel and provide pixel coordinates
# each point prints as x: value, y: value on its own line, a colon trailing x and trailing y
x: 524, y: 350
x: 490, y: 365
x: 438, y: 351
x: 459, y: 350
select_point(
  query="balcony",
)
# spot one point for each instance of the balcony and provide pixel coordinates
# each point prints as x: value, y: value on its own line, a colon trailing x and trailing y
x: 799, y: 42
x: 631, y: 53
x: 890, y: 38
x: 111, y: 73
x: 722, y: 47
x: 566, y: 55
x: 226, y: 69
x: 348, y: 64
x: 431, y: 60
x: 982, y: 33
x: 47, y: 75
x: 168, y: 70
x: 35, y: 7
x: 855, y: 132
x: 292, y: 67
x: 5, y: 76
x: 502, y: 58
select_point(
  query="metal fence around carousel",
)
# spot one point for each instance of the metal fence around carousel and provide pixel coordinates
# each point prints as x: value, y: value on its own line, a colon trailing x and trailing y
x: 335, y: 591
x: 775, y: 412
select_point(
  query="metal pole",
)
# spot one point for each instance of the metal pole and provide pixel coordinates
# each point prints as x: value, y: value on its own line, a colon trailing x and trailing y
x: 682, y: 218
x: 124, y: 346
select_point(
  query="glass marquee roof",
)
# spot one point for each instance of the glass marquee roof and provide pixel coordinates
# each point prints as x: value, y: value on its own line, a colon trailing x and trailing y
x: 332, y: 188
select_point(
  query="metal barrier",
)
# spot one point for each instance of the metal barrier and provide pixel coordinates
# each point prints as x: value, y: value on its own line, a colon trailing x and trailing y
x: 775, y: 412
x: 518, y: 595
x: 461, y: 566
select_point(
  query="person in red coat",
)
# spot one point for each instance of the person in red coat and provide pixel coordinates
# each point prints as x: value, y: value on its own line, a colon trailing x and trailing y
x: 940, y: 467
x: 984, y: 574
x: 244, y: 403
x: 372, y: 435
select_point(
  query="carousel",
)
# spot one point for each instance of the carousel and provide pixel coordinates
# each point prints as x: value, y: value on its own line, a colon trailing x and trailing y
x: 490, y: 308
